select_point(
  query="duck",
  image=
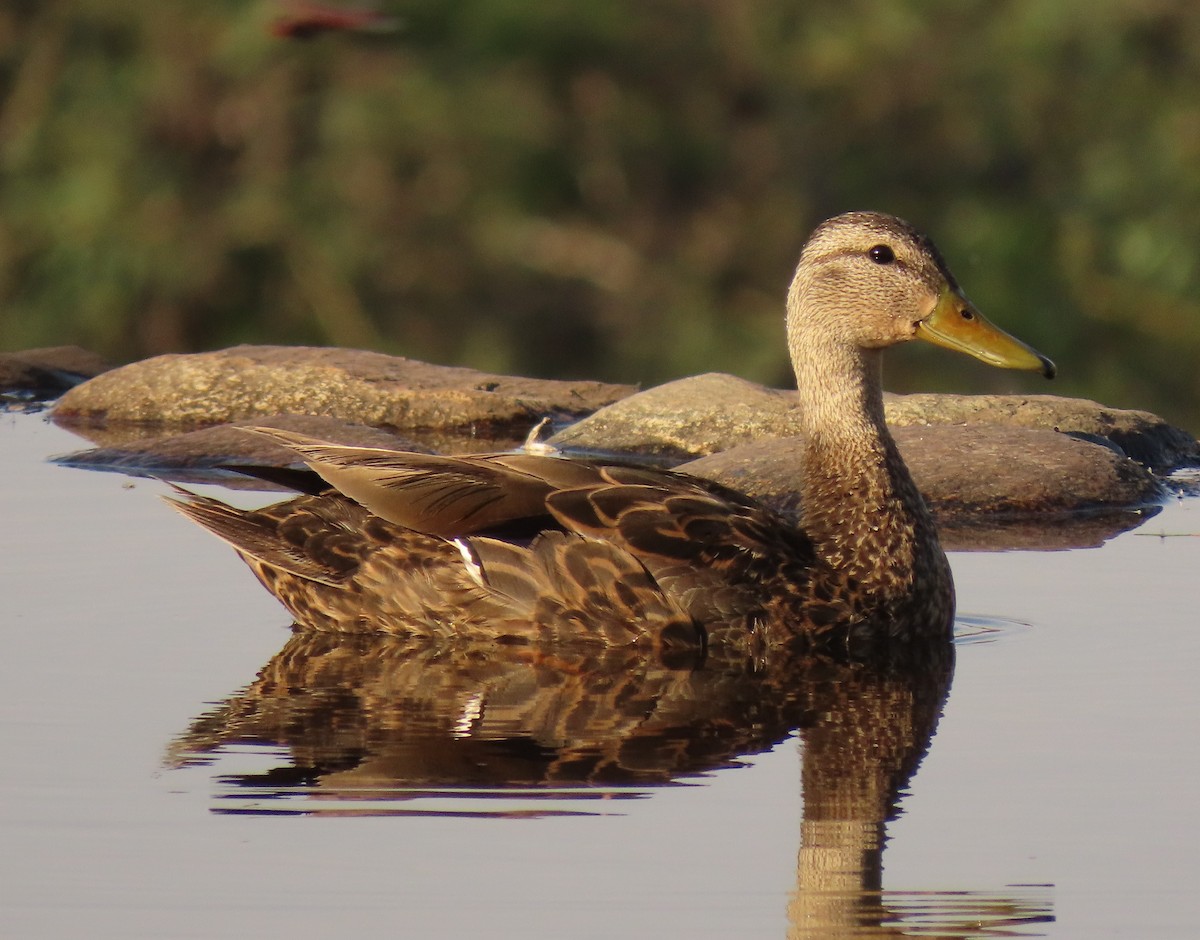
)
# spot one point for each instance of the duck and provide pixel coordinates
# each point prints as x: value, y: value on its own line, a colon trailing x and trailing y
x: 523, y: 548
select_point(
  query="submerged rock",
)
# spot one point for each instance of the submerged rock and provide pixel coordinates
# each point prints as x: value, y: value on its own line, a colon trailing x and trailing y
x: 47, y: 372
x: 1044, y: 533
x: 194, y: 455
x: 351, y: 385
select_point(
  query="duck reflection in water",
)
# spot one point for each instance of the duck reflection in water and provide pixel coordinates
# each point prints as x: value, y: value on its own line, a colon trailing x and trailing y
x: 389, y: 724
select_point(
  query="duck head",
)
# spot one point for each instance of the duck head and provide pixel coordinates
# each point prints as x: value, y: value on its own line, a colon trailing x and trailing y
x: 867, y: 280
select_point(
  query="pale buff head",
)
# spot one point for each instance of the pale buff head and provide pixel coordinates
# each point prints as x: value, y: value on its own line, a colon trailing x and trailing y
x: 868, y: 280
x: 865, y: 280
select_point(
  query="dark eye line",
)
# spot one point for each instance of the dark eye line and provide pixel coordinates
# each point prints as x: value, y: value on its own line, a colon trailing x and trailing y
x: 881, y: 254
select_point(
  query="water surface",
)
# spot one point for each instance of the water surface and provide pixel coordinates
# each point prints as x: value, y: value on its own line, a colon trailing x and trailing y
x: 154, y: 785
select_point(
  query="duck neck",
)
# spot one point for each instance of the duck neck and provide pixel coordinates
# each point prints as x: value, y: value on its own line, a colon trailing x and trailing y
x: 860, y: 505
x: 841, y: 393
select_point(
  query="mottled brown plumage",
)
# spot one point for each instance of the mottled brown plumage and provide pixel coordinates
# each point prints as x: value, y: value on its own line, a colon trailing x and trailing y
x: 518, y: 547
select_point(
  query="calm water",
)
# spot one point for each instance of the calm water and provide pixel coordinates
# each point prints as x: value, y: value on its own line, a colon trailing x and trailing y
x: 155, y: 785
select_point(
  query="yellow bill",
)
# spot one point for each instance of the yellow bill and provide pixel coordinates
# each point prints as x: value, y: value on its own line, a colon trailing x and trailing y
x: 956, y: 324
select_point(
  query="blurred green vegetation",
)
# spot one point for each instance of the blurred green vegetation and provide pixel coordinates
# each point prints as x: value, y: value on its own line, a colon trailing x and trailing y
x: 614, y: 190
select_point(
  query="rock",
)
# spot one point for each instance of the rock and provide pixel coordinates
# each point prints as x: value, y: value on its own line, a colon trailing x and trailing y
x: 47, y: 372
x: 194, y: 455
x: 710, y: 413
x: 997, y: 456
x: 1049, y: 533
x: 963, y: 471
x: 1145, y: 437
x: 683, y: 419
x: 1020, y: 471
x: 351, y: 385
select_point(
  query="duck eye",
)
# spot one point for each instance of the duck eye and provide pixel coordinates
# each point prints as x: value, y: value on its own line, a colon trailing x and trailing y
x: 881, y: 254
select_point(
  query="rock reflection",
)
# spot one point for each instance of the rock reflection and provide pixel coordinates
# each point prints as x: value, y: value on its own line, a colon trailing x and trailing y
x: 371, y: 719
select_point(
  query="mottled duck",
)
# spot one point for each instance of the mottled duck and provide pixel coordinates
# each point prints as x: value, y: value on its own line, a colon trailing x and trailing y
x: 520, y: 547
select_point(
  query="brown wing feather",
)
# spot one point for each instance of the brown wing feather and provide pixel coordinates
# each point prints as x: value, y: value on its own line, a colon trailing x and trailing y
x: 625, y: 555
x: 579, y: 588
x: 337, y: 567
x: 443, y: 496
x: 257, y: 536
x: 671, y: 514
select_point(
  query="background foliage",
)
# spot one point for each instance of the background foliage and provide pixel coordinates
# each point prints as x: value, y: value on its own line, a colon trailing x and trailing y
x: 616, y: 190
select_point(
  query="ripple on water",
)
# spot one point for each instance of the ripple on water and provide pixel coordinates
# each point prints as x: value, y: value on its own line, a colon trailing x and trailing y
x: 970, y: 629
